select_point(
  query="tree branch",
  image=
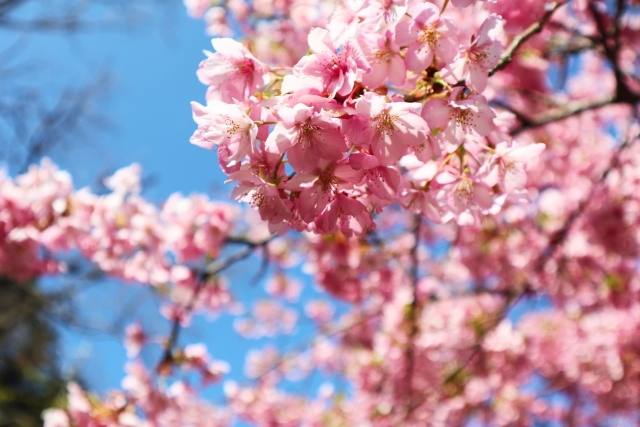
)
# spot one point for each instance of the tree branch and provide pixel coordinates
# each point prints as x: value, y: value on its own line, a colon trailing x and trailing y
x: 211, y: 270
x: 412, y: 316
x: 534, y: 28
x: 527, y: 123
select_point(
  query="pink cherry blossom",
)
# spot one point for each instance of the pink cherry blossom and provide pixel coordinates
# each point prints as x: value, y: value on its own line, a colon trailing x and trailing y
x: 319, y: 188
x: 383, y: 55
x: 465, y: 192
x: 228, y: 127
x: 344, y: 214
x: 383, y: 181
x: 337, y: 70
x: 506, y: 166
x: 383, y: 11
x: 427, y: 34
x: 459, y: 118
x: 477, y: 59
x: 232, y: 70
x: 449, y: 275
x: 390, y: 127
x: 306, y: 137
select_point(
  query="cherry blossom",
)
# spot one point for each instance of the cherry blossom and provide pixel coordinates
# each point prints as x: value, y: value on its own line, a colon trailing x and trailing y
x: 232, y: 70
x: 427, y: 34
x: 390, y: 127
x: 459, y: 118
x: 337, y: 70
x: 507, y: 165
x: 444, y: 257
x: 226, y: 126
x: 477, y: 59
x: 307, y: 137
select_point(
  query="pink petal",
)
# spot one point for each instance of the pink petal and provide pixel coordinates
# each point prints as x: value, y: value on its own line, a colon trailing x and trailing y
x: 302, y: 160
x: 298, y: 114
x: 522, y: 154
x: 378, y: 73
x: 198, y: 139
x: 419, y: 57
x: 437, y: 113
x: 447, y: 48
x: 462, y: 3
x: 320, y: 42
x: 387, y: 148
x: 329, y: 144
x: 425, y: 14
x: 514, y: 177
x: 406, y: 32
x: 482, y: 196
x: 490, y: 30
x: 411, y: 129
x: 279, y: 140
x: 363, y: 161
x: 478, y: 77
x: 301, y: 181
x: 481, y: 123
x: 347, y: 173
x: 376, y: 76
x: 397, y: 71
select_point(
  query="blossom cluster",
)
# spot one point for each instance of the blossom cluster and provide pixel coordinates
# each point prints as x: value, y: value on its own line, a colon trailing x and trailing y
x: 460, y: 305
x: 122, y: 233
x: 387, y: 108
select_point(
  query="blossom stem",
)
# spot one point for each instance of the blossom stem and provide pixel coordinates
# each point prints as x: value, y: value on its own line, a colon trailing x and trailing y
x: 489, y: 149
x: 425, y: 186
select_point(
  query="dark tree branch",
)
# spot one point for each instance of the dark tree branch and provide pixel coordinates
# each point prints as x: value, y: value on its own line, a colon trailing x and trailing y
x: 610, y: 44
x: 519, y: 40
x: 210, y: 271
x: 527, y: 124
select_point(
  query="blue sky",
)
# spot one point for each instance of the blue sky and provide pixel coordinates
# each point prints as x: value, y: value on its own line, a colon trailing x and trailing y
x: 152, y: 66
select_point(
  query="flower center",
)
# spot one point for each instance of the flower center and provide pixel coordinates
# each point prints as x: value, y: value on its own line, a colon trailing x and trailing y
x: 328, y: 181
x: 306, y: 135
x: 464, y: 189
x: 429, y: 35
x: 382, y: 55
x: 385, y: 123
x: 464, y: 118
x: 478, y: 55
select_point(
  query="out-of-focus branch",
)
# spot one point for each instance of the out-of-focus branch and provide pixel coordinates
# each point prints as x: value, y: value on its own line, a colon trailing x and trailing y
x: 65, y: 118
x: 210, y: 271
x: 413, y: 315
x: 519, y: 40
x: 554, y: 116
x: 69, y: 16
x: 610, y: 44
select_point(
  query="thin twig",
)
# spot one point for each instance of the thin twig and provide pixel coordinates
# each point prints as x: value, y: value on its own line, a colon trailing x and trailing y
x: 527, y: 124
x: 211, y: 270
x: 413, y: 314
x: 519, y: 40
